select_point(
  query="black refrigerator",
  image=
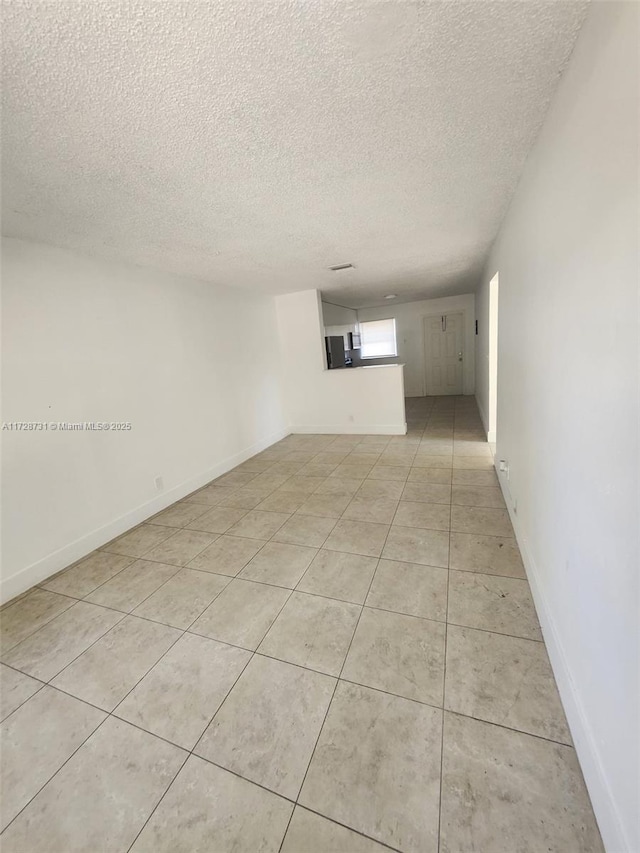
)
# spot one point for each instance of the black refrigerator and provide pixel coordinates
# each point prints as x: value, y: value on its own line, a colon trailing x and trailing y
x: 335, y: 351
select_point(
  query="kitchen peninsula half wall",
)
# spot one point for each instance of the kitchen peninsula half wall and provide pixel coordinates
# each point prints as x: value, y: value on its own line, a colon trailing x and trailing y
x: 359, y: 401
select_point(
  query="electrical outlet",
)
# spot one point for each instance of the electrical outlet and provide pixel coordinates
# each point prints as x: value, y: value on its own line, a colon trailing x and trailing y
x: 159, y: 483
x: 504, y: 468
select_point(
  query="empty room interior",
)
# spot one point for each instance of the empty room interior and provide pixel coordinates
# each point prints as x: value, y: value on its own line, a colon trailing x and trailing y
x: 320, y: 426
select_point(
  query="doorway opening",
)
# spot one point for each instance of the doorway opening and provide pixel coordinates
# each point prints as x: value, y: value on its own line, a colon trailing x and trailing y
x: 494, y: 286
x: 444, y: 354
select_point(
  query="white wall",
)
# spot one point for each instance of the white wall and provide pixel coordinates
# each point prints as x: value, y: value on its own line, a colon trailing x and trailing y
x: 338, y: 315
x: 567, y: 256
x: 338, y: 320
x: 352, y: 400
x: 194, y: 367
x: 409, y: 318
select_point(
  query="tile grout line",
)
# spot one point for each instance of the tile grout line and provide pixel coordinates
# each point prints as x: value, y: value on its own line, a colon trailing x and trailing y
x: 339, y: 678
x: 254, y: 652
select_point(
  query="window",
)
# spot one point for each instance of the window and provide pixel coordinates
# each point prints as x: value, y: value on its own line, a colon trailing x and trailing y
x: 378, y: 339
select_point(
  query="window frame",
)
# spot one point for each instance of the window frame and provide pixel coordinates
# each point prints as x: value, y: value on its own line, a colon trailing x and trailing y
x: 395, y: 338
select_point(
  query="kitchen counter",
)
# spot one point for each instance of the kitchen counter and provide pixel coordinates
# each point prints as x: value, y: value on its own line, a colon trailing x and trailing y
x: 371, y: 366
x: 363, y: 367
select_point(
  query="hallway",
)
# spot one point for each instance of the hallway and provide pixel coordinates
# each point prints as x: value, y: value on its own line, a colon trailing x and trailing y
x: 330, y: 649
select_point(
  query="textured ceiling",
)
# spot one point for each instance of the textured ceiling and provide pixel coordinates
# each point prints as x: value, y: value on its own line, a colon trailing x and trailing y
x: 255, y: 144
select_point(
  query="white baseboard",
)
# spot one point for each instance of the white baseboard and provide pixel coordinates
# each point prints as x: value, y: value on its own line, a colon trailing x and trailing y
x: 74, y: 551
x: 609, y: 820
x: 350, y: 429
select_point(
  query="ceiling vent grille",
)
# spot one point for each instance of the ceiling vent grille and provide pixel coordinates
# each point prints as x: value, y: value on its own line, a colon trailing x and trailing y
x: 338, y: 267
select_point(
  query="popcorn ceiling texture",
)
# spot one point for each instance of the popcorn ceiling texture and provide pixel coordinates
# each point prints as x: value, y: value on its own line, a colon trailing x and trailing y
x: 254, y: 144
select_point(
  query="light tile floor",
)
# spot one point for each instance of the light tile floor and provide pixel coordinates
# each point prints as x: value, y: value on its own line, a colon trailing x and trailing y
x: 331, y: 649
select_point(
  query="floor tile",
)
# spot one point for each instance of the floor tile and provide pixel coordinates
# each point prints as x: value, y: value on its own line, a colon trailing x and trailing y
x: 218, y: 520
x: 246, y: 498
x: 336, y: 574
x: 503, y: 790
x: 132, y: 585
x: 327, y: 506
x: 311, y: 833
x: 81, y: 809
x: 503, y: 605
x: 410, y: 588
x: 36, y: 741
x: 235, y: 479
x: 179, y: 515
x: 268, y: 726
x: 469, y: 477
x: 182, y: 547
x: 15, y: 688
x: 471, y: 448
x: 209, y: 809
x: 436, y: 447
x: 308, y: 530
x: 428, y: 515
x: 227, y: 556
x: 106, y: 672
x: 88, y: 574
x: 398, y: 653
x: 379, y: 510
x: 480, y: 496
x: 312, y: 631
x: 428, y: 460
x: 329, y: 457
x: 299, y: 456
x: 178, y: 698
x: 288, y: 468
x: 389, y: 472
x: 358, y: 537
x: 27, y: 615
x: 269, y: 482
x: 302, y: 485
x: 242, y: 613
x: 480, y: 463
x: 494, y: 555
x: 416, y: 545
x: 183, y: 598
x: 394, y: 460
x: 279, y: 564
x: 282, y: 502
x: 432, y: 493
x: 504, y: 680
x: 362, y: 454
x: 57, y: 643
x: 258, y: 524
x: 138, y: 541
x: 352, y: 470
x: 434, y: 476
x: 390, y: 489
x: 376, y: 768
x: 340, y: 486
x: 210, y: 495
x: 423, y: 475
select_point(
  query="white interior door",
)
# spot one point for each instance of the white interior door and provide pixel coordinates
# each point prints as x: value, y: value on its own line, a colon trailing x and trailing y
x: 444, y: 354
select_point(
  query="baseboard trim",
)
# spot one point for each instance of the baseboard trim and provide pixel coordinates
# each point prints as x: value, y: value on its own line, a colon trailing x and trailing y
x: 607, y: 815
x: 39, y: 571
x: 350, y: 429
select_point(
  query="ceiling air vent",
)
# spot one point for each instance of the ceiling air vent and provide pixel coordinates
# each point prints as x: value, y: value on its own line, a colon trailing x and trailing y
x: 338, y: 267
